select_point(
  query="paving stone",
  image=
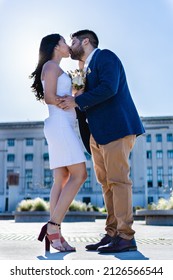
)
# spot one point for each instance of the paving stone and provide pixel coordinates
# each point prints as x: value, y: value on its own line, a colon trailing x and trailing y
x: 18, y: 241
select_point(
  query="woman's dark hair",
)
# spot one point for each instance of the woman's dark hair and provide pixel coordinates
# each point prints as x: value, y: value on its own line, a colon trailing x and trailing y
x: 82, y: 34
x: 46, y: 49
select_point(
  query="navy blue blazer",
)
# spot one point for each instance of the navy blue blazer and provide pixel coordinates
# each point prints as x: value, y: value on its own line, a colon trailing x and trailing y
x: 106, y: 102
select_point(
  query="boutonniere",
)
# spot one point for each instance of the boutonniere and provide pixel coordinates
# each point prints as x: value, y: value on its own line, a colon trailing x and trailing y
x: 78, y: 78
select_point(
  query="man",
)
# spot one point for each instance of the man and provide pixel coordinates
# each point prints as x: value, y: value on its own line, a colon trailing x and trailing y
x: 114, y: 123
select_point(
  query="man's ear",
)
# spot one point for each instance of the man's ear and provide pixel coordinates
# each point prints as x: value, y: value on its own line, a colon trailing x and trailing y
x: 85, y: 41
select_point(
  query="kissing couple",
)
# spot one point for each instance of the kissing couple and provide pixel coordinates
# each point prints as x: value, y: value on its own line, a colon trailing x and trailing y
x: 109, y: 124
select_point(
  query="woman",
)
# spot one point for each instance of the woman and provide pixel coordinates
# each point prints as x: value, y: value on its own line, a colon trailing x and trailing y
x: 66, y: 155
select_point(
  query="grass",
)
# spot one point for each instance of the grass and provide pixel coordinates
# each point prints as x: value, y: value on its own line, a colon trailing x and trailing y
x: 38, y: 204
x: 162, y: 204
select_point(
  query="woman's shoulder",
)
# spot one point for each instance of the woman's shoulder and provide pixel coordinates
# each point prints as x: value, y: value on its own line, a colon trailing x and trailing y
x: 51, y: 66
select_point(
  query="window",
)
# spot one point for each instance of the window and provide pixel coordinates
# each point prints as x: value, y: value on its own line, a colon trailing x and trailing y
x: 29, y: 157
x: 150, y: 200
x: 159, y: 154
x: 48, y: 178
x: 130, y: 172
x: 159, y: 176
x: 158, y: 137
x: 130, y: 155
x: 28, y: 178
x: 10, y: 157
x: 86, y: 200
x: 45, y: 142
x: 148, y: 138
x: 170, y: 176
x: 149, y: 154
x: 170, y: 153
x: 87, y: 184
x: 11, y: 142
x: 29, y: 141
x: 149, y: 177
x: 46, y: 156
x: 169, y: 137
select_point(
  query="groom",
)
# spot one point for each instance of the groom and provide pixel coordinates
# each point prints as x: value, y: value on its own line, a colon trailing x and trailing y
x: 107, y: 108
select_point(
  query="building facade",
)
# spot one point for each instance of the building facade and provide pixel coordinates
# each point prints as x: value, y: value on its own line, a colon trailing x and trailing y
x: 159, y: 157
x: 24, y: 151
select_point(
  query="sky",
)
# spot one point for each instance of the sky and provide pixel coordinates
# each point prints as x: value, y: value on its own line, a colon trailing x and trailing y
x: 140, y: 32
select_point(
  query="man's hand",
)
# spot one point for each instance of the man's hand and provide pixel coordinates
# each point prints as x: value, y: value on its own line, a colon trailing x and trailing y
x: 77, y: 92
x: 66, y: 102
x: 58, y: 101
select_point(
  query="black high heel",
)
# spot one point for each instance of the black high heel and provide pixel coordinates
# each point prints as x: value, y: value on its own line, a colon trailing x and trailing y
x: 50, y: 237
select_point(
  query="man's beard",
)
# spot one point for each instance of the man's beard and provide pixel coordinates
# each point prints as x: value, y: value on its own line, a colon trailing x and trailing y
x: 78, y: 53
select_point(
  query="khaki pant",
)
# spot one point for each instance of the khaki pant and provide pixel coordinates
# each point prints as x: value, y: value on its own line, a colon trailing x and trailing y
x: 111, y: 164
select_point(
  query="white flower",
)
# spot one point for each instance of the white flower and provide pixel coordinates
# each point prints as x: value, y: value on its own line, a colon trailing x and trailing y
x: 78, y: 78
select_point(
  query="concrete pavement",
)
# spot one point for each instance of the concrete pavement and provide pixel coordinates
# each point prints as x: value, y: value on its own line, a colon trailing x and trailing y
x: 18, y: 241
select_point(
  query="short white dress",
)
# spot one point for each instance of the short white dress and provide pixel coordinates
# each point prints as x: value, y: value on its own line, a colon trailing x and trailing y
x: 64, y: 146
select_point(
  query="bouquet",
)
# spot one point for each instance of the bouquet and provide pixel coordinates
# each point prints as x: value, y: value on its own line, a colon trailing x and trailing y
x: 78, y: 78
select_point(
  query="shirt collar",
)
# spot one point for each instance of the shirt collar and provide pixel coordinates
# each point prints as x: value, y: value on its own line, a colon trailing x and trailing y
x: 87, y: 61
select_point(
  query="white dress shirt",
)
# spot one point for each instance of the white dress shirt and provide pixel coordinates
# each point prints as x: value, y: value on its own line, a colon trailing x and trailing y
x: 87, y: 61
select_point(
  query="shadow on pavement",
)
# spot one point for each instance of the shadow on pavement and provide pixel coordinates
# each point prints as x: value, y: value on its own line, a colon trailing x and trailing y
x: 53, y: 256
x: 133, y: 255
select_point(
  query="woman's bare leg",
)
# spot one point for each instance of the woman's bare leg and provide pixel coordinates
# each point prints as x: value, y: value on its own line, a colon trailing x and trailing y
x: 61, y: 176
x: 68, y: 181
x: 77, y: 177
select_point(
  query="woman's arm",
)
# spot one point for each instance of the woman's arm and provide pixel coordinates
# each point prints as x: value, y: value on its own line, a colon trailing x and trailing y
x: 51, y: 72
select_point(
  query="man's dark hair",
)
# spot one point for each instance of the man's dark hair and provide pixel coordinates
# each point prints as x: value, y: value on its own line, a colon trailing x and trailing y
x: 82, y: 34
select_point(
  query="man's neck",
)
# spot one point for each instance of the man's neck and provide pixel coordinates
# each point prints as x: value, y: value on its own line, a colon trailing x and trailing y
x: 88, y: 51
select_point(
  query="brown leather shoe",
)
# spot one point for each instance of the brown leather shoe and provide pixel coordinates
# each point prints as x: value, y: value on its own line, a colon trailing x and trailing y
x: 118, y: 244
x: 105, y: 240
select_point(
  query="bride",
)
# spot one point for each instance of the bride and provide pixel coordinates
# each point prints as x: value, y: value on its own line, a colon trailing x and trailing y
x: 66, y: 155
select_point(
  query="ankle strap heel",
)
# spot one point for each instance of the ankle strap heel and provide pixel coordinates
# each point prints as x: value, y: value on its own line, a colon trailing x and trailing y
x: 52, y: 223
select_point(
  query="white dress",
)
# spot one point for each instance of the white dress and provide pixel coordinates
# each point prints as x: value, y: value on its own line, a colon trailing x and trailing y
x: 64, y: 145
